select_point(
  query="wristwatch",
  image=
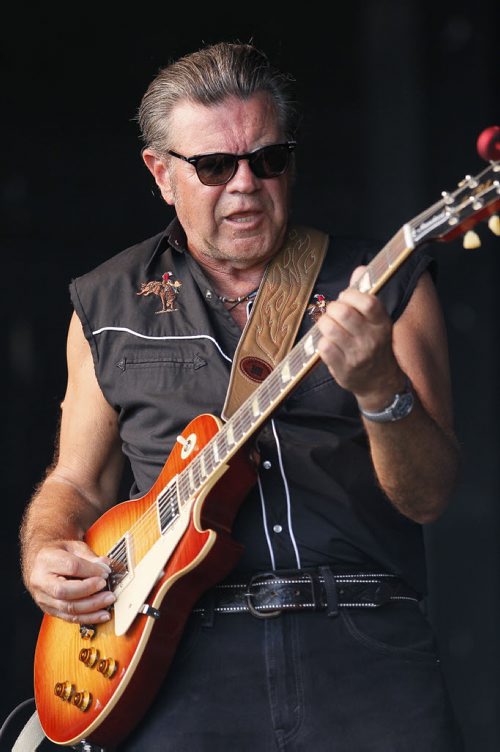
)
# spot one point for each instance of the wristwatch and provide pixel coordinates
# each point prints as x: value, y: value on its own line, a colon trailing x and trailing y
x: 400, y: 407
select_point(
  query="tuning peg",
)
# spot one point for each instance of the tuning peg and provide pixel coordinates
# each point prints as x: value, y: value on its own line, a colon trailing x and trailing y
x: 494, y: 224
x: 471, y: 240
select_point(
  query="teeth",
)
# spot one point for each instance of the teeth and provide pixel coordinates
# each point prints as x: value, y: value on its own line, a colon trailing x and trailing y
x: 241, y: 219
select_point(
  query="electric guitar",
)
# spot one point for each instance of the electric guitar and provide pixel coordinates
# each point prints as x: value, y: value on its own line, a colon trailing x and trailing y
x: 95, y: 682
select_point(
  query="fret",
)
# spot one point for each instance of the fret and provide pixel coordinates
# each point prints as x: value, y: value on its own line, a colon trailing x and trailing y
x: 241, y: 424
x: 221, y: 445
x: 385, y: 263
x: 208, y: 459
x: 199, y: 465
x: 192, y: 482
x: 265, y: 399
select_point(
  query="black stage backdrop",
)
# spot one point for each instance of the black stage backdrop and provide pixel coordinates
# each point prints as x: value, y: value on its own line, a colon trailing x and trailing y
x: 394, y: 95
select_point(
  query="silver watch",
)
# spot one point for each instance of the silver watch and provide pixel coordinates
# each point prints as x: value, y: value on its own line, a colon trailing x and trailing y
x: 400, y: 407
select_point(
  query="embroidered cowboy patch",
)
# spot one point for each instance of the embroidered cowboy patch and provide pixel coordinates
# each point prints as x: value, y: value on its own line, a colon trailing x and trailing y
x: 318, y: 307
x: 165, y: 289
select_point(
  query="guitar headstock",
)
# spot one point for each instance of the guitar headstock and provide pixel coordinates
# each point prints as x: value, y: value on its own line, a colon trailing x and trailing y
x: 475, y: 198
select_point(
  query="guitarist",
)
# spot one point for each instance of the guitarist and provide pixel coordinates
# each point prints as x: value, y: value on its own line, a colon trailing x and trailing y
x: 330, y: 648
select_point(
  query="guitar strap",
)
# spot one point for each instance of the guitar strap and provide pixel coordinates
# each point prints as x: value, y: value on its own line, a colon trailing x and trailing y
x: 30, y: 737
x: 276, y: 312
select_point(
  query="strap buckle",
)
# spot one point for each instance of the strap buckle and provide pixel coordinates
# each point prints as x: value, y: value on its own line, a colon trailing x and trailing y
x: 249, y: 595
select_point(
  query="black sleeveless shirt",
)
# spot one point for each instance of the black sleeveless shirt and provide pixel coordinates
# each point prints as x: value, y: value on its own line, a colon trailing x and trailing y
x: 317, y: 500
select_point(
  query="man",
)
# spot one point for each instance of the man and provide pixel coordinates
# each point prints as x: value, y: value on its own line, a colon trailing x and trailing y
x: 352, y: 464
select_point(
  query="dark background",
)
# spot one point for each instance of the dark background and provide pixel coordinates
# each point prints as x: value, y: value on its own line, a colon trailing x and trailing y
x: 394, y: 95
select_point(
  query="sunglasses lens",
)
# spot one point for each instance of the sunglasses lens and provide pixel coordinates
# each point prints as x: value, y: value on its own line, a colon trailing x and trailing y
x: 216, y: 169
x: 270, y: 161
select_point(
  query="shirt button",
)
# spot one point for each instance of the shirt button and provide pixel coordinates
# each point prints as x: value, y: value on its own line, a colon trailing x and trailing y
x: 209, y: 294
x: 277, y: 528
x: 266, y: 465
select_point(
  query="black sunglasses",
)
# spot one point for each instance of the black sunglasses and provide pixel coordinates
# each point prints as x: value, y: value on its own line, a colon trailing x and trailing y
x: 220, y: 168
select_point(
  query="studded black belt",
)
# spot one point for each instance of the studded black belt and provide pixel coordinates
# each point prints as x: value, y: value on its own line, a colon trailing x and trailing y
x: 270, y: 593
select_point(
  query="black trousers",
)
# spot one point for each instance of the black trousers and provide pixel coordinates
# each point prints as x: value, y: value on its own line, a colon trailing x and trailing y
x: 367, y: 680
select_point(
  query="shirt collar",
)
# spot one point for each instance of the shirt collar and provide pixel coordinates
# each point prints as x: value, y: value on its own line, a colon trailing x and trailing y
x: 173, y: 236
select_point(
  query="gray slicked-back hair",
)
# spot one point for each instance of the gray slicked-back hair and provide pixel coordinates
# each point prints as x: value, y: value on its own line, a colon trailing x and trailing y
x: 208, y: 77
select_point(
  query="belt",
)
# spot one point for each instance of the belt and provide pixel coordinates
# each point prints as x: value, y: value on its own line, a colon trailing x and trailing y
x: 270, y: 593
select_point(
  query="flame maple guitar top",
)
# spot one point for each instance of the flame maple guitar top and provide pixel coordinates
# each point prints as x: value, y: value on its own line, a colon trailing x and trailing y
x: 117, y: 676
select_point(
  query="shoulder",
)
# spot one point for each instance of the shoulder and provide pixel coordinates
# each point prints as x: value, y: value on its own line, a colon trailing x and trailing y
x: 135, y: 256
x: 346, y: 252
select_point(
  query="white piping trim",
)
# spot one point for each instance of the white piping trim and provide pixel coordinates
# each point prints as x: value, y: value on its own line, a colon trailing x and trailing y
x: 147, y: 336
x: 287, y: 492
x: 264, y: 520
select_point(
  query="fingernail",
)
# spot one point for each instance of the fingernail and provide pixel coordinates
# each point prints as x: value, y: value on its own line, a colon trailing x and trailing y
x: 105, y: 616
x: 103, y: 564
x: 109, y: 598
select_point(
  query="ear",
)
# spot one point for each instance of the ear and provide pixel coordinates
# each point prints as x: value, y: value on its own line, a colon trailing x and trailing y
x: 159, y: 171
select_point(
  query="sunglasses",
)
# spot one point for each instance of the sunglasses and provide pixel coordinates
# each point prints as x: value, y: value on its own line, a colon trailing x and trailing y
x: 219, y: 168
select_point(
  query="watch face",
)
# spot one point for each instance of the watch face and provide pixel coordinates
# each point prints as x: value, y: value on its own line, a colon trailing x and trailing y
x: 403, y: 406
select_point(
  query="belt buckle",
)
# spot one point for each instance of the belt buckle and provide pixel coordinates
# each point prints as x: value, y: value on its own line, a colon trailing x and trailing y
x: 249, y: 595
x: 382, y: 594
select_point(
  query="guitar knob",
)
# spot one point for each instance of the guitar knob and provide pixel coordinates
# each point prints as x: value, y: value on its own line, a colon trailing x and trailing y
x: 107, y: 667
x: 494, y: 224
x: 89, y: 656
x: 471, y: 240
x: 64, y: 690
x: 82, y: 700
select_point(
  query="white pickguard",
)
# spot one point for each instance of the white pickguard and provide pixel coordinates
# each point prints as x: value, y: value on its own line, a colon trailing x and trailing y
x: 134, y: 589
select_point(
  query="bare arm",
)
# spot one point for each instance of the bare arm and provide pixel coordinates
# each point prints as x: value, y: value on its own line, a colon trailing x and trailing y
x: 415, y: 458
x: 63, y: 575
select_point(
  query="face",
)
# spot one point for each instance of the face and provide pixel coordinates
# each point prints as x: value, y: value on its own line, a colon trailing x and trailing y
x: 239, y: 224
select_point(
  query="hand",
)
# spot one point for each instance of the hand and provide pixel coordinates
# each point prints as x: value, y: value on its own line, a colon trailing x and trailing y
x: 68, y: 580
x: 357, y: 346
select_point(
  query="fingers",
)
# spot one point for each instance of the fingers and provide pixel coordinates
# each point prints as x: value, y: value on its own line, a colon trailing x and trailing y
x: 86, y: 610
x: 68, y: 580
x: 68, y: 562
x: 357, y: 340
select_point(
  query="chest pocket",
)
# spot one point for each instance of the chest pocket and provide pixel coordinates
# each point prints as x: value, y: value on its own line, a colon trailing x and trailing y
x: 169, y: 382
x: 161, y: 361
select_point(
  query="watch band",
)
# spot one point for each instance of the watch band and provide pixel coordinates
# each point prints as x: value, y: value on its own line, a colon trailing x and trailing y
x: 400, y: 407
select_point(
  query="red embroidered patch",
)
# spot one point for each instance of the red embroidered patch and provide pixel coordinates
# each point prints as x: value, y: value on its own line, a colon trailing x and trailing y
x: 165, y: 289
x: 317, y: 309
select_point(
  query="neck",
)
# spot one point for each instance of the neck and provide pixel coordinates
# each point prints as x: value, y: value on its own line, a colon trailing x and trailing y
x: 235, y: 284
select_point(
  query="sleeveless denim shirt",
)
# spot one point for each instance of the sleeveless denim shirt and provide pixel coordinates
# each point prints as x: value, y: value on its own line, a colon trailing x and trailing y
x: 316, y: 500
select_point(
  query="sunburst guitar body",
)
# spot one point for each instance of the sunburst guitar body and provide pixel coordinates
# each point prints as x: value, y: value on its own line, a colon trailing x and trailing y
x: 94, y: 682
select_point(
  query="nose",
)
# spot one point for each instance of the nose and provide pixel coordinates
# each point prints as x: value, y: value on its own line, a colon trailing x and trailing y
x: 243, y: 180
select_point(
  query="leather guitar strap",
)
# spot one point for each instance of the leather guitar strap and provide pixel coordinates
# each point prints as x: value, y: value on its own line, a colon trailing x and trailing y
x: 276, y: 313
